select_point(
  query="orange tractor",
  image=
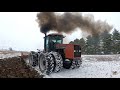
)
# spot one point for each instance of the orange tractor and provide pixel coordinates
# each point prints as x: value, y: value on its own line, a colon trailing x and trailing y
x: 56, y: 55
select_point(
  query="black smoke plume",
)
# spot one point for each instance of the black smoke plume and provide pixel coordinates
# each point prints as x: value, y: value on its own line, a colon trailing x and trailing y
x: 68, y: 22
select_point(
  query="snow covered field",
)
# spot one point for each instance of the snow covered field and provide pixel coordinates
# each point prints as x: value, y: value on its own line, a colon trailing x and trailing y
x: 6, y: 54
x: 93, y: 66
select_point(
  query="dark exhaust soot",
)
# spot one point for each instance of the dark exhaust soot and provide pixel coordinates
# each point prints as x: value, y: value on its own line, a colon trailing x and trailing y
x: 68, y: 22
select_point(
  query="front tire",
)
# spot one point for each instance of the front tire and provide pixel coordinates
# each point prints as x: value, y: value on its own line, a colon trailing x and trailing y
x: 58, y: 61
x: 49, y: 63
x: 67, y: 64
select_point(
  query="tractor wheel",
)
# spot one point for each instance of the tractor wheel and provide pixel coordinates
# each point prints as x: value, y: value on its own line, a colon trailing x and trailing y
x: 73, y: 66
x: 49, y: 63
x: 67, y: 64
x: 76, y: 64
x: 42, y: 62
x: 32, y: 59
x: 58, y: 61
x: 46, y: 63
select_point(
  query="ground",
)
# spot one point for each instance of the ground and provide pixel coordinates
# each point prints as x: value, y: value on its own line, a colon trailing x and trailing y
x: 12, y: 65
x: 93, y: 66
x: 8, y: 54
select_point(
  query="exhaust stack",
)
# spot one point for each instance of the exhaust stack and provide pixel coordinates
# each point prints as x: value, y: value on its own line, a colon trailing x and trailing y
x: 45, y: 42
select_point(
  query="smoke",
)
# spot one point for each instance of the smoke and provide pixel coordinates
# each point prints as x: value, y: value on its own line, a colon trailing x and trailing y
x: 68, y: 22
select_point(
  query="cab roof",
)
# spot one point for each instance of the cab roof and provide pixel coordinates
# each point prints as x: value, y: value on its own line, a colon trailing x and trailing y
x: 55, y: 34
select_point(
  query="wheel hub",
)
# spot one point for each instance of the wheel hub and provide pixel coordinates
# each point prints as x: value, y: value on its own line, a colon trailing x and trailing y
x: 42, y: 63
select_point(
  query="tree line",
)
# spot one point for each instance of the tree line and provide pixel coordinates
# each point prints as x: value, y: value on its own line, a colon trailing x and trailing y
x: 105, y: 43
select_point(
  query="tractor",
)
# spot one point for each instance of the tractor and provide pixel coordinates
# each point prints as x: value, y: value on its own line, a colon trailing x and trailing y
x: 56, y: 55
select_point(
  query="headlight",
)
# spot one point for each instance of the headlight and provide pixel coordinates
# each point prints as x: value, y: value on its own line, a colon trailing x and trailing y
x: 74, y: 51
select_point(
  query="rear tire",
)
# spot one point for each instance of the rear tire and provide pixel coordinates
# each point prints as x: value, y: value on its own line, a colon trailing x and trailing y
x: 46, y: 63
x: 73, y: 66
x: 41, y: 62
x: 33, y: 59
x: 76, y: 64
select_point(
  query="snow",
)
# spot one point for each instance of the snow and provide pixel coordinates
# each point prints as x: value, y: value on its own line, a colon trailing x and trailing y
x: 9, y: 55
x: 93, y: 68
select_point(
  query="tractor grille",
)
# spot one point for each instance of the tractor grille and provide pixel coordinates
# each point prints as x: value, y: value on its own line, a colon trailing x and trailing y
x: 77, y: 51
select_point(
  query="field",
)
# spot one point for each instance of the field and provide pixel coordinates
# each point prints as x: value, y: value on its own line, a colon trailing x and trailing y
x: 13, y: 65
x: 93, y: 66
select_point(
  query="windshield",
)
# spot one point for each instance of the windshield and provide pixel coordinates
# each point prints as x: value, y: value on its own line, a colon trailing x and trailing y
x: 56, y: 39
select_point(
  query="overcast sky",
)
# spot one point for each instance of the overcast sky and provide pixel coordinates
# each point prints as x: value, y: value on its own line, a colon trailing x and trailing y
x: 20, y: 31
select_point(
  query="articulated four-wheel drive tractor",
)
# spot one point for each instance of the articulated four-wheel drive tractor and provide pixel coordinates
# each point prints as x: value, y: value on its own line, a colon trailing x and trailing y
x: 56, y: 55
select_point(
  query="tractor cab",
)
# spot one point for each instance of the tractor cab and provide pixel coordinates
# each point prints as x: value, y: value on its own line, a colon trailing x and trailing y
x: 51, y: 40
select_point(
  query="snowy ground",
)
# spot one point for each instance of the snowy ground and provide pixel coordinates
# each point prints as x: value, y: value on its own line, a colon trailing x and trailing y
x: 93, y: 66
x: 6, y: 54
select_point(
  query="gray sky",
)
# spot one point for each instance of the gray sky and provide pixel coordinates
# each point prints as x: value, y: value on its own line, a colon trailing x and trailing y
x: 20, y: 31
